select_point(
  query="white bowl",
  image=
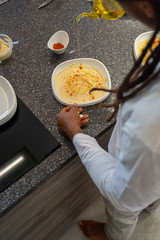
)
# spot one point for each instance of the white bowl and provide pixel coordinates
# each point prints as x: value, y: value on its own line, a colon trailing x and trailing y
x: 8, y: 101
x: 88, y: 61
x: 141, y: 38
x: 58, y: 37
x: 6, y: 53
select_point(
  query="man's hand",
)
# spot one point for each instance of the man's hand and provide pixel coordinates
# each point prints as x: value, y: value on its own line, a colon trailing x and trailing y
x: 69, y: 121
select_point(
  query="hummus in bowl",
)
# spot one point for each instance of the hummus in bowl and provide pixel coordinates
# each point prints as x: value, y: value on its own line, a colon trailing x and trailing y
x: 73, y: 79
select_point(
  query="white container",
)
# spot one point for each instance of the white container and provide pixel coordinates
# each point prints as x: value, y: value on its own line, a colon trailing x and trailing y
x: 58, y: 37
x: 5, y: 50
x: 8, y: 101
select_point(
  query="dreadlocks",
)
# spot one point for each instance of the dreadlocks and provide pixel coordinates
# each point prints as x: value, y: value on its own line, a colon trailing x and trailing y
x: 139, y: 76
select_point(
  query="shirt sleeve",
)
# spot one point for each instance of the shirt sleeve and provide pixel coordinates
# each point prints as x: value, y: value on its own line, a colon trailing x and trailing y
x: 99, y: 164
x: 128, y: 182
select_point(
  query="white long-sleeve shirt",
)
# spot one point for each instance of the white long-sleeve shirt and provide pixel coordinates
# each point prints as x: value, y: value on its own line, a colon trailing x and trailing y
x: 129, y: 174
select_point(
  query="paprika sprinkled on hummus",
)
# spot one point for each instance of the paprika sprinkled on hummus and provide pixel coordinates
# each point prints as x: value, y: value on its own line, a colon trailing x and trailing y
x: 74, y: 82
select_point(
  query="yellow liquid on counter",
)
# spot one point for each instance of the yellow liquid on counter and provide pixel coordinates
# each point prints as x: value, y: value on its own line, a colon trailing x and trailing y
x: 98, y: 11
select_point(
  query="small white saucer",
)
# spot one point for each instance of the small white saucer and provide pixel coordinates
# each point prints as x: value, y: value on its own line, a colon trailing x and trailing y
x: 58, y: 37
x: 8, y: 101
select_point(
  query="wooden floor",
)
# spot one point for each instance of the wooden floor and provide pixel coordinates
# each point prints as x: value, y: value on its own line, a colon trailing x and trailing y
x: 56, y: 203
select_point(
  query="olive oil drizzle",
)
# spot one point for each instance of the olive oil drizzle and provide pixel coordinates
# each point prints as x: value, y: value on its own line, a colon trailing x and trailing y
x: 78, y: 40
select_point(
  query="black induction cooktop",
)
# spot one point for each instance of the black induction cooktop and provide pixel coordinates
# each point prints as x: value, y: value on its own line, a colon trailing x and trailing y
x: 24, y: 143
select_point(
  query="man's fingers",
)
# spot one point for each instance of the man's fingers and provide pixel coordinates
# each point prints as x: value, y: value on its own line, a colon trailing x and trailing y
x: 80, y: 110
x: 74, y: 107
x: 84, y: 122
x: 66, y: 109
x: 84, y: 117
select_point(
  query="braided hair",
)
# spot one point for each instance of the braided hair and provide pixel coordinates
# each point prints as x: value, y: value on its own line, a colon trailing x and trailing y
x: 140, y: 75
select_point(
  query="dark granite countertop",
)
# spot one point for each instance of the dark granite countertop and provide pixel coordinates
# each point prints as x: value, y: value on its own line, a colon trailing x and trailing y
x: 30, y: 67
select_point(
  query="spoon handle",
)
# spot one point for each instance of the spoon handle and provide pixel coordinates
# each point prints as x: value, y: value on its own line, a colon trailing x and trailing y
x: 9, y: 43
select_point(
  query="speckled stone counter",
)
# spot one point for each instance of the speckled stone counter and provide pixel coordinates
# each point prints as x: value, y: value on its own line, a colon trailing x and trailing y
x: 30, y: 67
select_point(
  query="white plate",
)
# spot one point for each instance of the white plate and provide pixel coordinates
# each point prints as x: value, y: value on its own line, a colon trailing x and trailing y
x: 88, y: 61
x: 8, y: 101
x: 141, y: 38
